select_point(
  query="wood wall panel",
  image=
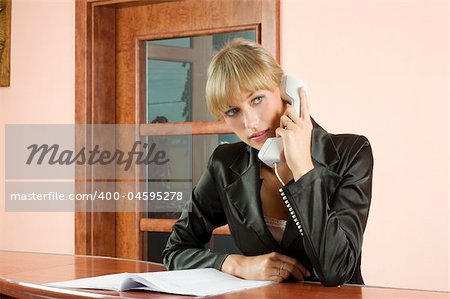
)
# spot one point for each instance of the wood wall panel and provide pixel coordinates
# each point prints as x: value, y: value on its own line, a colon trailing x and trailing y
x: 183, y: 18
x: 95, y: 104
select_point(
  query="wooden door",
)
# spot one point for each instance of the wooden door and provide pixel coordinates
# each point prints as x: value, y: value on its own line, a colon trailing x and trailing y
x: 110, y: 89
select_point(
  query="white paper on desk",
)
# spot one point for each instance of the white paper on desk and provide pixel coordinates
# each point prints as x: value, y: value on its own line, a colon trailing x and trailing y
x: 197, y: 282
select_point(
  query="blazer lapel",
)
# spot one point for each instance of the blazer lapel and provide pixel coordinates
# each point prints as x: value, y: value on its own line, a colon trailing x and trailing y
x: 325, y: 156
x: 244, y: 194
x: 323, y: 150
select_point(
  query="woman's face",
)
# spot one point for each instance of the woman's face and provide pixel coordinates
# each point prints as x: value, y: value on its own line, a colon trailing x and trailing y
x: 255, y: 116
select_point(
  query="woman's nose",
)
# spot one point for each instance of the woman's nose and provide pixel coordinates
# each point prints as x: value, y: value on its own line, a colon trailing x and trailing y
x: 250, y: 119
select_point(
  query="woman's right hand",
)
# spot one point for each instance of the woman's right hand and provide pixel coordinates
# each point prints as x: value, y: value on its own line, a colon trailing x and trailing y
x: 272, y: 266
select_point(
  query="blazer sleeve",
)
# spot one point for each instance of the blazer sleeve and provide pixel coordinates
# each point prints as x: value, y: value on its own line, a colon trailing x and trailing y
x: 185, y: 247
x: 333, y: 224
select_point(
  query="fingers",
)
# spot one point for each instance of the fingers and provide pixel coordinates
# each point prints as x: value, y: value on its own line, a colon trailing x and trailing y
x: 289, y: 124
x: 293, y: 270
x: 304, y: 107
x: 303, y: 269
x: 295, y: 267
x: 285, y: 121
x: 283, y: 272
x: 272, y: 266
x: 282, y: 131
x: 291, y: 115
x: 285, y: 266
x: 299, y: 271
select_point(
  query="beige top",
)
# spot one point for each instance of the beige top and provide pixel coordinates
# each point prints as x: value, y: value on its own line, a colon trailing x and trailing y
x: 276, y: 227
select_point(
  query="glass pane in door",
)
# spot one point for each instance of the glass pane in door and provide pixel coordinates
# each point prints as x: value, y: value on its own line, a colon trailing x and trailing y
x: 181, y: 172
x: 183, y: 42
x: 176, y: 75
x: 168, y: 91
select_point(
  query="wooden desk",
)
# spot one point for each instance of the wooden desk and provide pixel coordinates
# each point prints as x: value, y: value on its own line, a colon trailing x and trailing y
x: 22, y: 273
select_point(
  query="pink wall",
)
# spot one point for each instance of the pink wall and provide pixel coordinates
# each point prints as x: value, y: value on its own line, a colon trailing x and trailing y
x: 41, y: 91
x: 380, y: 68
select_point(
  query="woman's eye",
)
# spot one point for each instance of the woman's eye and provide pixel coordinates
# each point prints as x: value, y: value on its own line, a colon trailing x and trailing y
x: 231, y: 112
x: 258, y: 99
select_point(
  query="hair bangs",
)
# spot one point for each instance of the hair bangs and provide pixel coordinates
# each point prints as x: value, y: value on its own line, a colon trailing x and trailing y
x: 240, y: 67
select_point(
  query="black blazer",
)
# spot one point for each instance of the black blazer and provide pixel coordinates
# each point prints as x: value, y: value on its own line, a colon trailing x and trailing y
x: 331, y: 203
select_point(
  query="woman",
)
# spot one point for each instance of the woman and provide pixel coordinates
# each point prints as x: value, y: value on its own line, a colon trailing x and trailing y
x: 311, y: 228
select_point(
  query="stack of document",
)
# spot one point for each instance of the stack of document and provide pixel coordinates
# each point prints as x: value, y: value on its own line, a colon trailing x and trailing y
x: 196, y: 282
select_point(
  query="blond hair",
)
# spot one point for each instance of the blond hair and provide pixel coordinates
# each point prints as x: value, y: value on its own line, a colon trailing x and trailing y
x: 240, y: 66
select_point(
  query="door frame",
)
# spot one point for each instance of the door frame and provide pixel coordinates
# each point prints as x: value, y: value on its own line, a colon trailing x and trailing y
x: 120, y: 234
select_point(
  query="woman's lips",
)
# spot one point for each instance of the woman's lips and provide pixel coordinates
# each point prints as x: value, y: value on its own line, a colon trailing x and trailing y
x: 260, y: 136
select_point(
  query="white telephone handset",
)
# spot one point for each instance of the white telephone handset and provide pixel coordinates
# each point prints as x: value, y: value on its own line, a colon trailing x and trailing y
x: 270, y: 152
